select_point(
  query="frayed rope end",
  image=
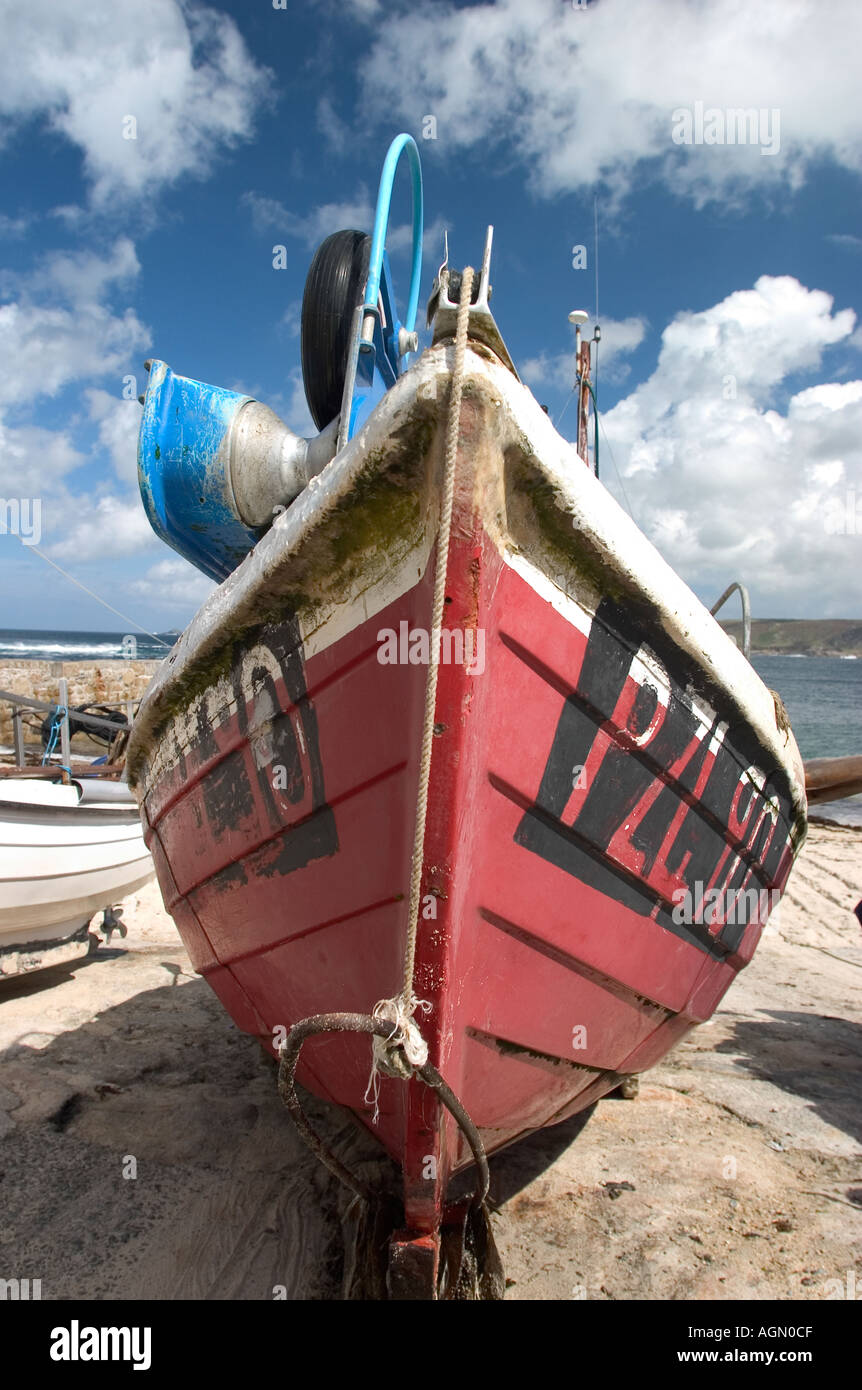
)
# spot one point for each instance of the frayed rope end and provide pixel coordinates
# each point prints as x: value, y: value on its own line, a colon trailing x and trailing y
x: 403, y: 1052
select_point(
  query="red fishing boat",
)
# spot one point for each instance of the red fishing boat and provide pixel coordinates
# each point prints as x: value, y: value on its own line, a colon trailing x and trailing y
x: 451, y: 756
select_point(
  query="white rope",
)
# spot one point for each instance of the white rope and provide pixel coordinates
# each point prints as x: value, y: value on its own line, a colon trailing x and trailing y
x: 452, y: 430
x: 399, y: 1055
x: 405, y: 1050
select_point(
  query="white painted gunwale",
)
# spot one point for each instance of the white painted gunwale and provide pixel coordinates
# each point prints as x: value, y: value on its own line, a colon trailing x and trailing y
x: 629, y: 555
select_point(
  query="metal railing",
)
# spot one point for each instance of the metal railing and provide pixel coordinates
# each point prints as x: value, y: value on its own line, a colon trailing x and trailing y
x: 20, y: 703
x: 746, y: 614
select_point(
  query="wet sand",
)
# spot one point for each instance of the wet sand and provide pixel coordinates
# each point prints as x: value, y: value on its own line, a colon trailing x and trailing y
x: 736, y: 1173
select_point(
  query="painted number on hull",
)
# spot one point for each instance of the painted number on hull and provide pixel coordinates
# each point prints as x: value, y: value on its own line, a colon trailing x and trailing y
x: 287, y: 782
x: 663, y: 802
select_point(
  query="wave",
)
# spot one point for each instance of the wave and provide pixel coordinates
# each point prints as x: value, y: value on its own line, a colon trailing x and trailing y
x: 63, y: 648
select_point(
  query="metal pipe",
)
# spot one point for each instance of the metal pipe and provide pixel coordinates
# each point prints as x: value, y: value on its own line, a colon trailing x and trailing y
x: 381, y: 221
x: 746, y: 614
x: 65, y: 741
x: 93, y: 720
x: 18, y: 737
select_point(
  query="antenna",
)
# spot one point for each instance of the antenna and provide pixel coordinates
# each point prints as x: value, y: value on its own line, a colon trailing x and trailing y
x: 578, y: 317
x: 597, y: 334
x: 596, y: 248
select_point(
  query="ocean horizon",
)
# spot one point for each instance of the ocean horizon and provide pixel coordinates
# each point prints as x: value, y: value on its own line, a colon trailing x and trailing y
x: 822, y: 694
x: 52, y: 644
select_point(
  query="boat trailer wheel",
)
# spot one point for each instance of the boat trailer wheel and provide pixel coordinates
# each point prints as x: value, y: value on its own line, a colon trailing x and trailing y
x: 334, y: 286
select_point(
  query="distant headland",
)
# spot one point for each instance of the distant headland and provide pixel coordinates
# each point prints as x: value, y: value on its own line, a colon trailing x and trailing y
x: 801, y: 636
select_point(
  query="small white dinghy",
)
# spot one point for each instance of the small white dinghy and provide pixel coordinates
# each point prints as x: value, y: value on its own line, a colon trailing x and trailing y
x: 66, y: 853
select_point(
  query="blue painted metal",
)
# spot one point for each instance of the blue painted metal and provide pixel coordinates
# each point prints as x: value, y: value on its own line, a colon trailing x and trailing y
x: 182, y: 470
x: 381, y: 223
x: 379, y: 362
x: 378, y: 366
x: 183, y: 448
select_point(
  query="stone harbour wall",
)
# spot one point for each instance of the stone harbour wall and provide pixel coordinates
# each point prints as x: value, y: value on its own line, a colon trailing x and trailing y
x: 111, y: 682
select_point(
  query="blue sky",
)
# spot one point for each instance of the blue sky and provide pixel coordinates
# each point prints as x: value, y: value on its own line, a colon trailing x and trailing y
x: 730, y: 376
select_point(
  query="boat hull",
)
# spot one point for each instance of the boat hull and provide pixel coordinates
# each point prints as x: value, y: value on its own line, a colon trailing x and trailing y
x: 60, y: 864
x: 602, y: 756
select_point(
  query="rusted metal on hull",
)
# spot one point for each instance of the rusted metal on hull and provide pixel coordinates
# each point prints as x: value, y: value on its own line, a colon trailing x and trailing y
x: 615, y: 750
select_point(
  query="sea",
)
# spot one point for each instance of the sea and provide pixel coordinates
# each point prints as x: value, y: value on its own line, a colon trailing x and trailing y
x: 823, y: 695
x: 30, y: 645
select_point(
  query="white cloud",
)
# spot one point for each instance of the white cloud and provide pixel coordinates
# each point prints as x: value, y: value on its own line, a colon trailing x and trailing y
x: 44, y: 349
x: 33, y: 460
x: 727, y: 485
x: 846, y: 240
x: 104, y: 526
x: 79, y: 278
x: 270, y: 215
x: 583, y: 95
x: 181, y: 70
x: 58, y: 331
x: 174, y: 583
x: 11, y: 228
x: 118, y: 423
x: 334, y: 130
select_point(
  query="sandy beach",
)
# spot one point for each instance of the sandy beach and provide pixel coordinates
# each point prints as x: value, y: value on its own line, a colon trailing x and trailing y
x: 144, y: 1152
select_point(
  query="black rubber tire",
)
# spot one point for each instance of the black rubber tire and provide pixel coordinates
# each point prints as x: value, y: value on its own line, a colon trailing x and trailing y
x: 333, y: 288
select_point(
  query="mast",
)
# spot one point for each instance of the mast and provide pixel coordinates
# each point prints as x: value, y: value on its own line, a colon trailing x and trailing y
x: 582, y: 385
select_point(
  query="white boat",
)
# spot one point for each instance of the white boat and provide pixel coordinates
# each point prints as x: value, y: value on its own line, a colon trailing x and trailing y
x: 66, y: 853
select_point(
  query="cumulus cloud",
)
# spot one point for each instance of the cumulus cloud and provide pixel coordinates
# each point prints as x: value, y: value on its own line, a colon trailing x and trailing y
x: 79, y: 278
x: 726, y: 483
x: 118, y: 422
x: 45, y: 348
x: 582, y: 95
x: 59, y: 332
x: 31, y: 457
x: 174, y: 583
x: 150, y: 94
x: 104, y: 526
